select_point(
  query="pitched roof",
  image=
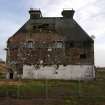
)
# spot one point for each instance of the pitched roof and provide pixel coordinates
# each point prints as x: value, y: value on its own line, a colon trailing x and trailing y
x: 68, y: 28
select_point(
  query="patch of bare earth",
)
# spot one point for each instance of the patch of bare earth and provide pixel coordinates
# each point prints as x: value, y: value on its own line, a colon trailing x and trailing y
x: 10, y: 82
x: 9, y: 101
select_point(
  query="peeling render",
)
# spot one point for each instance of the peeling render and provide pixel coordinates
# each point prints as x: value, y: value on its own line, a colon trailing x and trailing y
x: 71, y: 72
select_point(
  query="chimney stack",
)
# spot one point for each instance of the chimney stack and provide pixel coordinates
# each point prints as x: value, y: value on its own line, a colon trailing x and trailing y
x: 35, y: 13
x: 68, y: 13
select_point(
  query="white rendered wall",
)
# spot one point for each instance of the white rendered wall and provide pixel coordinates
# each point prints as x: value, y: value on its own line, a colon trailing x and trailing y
x: 70, y: 72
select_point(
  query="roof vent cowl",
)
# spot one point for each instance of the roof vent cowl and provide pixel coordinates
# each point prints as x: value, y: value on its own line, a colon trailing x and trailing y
x: 68, y: 13
x: 35, y: 13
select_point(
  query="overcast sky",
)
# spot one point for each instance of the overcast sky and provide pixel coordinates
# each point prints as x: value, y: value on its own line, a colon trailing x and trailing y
x: 90, y: 14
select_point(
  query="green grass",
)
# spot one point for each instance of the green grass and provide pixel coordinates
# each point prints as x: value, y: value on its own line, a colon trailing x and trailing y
x: 59, y: 88
x: 100, y: 75
x: 69, y: 92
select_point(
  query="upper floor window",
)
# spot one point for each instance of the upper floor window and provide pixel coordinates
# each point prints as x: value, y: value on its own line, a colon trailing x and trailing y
x: 83, y: 56
x: 29, y: 44
x: 59, y: 44
x: 69, y: 44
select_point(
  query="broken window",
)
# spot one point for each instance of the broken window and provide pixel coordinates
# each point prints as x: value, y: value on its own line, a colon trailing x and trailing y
x: 83, y: 56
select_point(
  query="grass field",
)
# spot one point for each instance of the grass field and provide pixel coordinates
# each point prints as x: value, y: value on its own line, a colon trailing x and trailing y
x: 56, y: 92
x: 2, y: 70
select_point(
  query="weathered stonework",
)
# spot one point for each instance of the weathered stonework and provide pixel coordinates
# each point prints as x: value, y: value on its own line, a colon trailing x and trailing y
x: 43, y: 42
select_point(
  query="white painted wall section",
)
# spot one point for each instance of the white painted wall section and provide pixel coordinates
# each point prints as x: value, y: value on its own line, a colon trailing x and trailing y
x: 70, y: 72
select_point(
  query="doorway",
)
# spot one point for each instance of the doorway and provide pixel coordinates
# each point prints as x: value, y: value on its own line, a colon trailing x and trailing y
x: 11, y: 75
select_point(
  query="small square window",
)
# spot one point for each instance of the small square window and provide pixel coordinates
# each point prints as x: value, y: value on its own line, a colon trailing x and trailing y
x: 83, y: 56
x: 29, y: 44
x: 59, y: 44
x: 69, y: 44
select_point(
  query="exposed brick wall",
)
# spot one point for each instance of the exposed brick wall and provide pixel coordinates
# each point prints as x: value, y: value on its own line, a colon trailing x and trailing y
x: 71, y: 55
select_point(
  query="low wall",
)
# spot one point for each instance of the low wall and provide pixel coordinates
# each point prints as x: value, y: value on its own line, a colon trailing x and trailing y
x: 70, y: 72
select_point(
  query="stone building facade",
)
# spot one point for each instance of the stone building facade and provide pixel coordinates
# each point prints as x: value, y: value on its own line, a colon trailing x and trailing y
x: 50, y: 48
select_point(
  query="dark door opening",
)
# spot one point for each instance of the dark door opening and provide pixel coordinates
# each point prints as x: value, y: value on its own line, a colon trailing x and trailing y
x: 11, y: 75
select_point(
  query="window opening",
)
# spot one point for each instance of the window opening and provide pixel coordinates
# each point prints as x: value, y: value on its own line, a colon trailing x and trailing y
x: 83, y: 56
x: 59, y: 44
x: 29, y: 44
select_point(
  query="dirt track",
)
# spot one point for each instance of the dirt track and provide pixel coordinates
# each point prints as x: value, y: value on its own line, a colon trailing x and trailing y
x: 10, y: 82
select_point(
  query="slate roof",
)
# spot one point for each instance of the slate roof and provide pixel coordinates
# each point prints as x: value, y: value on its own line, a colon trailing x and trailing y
x: 66, y: 27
